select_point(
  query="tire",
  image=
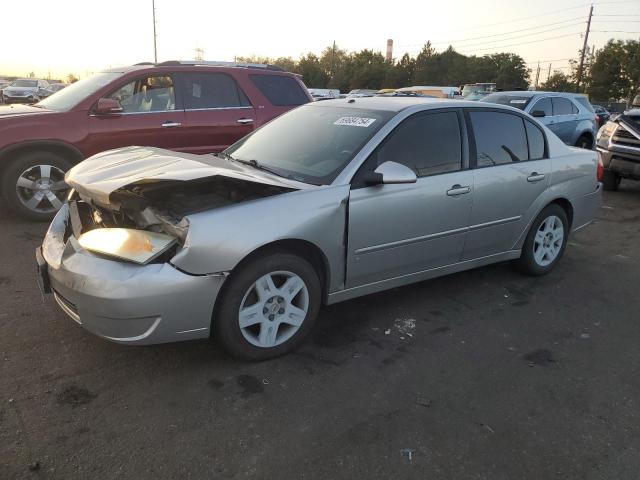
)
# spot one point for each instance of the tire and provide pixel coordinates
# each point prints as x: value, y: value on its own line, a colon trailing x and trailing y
x: 585, y: 141
x: 33, y: 202
x: 258, y: 340
x: 610, y: 180
x: 534, y: 261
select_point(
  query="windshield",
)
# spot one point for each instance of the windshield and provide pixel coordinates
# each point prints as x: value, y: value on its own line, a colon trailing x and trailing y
x: 517, y: 101
x: 469, y: 89
x: 311, y: 144
x: 25, y: 83
x: 70, y: 96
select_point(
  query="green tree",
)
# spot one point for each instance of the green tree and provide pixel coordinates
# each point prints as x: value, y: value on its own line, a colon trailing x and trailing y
x: 511, y: 71
x: 559, y: 82
x: 367, y: 69
x: 615, y: 71
x: 312, y: 72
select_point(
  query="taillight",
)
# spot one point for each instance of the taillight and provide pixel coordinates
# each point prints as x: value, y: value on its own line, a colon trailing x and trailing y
x: 600, y: 170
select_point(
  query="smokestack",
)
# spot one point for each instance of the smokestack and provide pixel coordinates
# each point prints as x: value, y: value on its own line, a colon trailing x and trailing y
x: 389, y: 57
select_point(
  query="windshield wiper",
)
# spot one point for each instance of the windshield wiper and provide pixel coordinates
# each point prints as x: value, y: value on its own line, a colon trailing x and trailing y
x: 254, y: 163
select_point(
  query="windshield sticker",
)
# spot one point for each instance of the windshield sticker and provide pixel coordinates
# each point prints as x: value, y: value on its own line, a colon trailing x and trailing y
x: 517, y: 101
x: 354, y: 121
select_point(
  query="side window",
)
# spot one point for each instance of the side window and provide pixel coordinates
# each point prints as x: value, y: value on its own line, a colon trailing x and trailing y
x: 536, y: 141
x: 500, y: 138
x: 148, y: 94
x: 562, y: 106
x: 544, y: 104
x: 280, y: 90
x: 212, y: 90
x: 428, y: 143
x: 574, y: 109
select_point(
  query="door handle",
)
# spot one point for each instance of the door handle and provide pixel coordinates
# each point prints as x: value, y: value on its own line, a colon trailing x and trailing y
x: 171, y: 124
x: 457, y: 189
x: 245, y: 121
x: 535, y: 177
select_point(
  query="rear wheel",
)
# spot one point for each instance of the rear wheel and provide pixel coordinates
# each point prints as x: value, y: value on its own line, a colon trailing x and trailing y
x: 585, y: 141
x: 545, y: 242
x: 268, y: 307
x: 34, y: 185
x: 610, y: 180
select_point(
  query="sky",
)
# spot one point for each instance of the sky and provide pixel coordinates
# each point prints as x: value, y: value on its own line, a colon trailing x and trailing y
x: 84, y: 36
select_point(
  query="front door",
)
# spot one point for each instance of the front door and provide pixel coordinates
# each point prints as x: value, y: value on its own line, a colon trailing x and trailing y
x: 396, y: 230
x: 217, y: 111
x: 511, y: 175
x: 150, y: 117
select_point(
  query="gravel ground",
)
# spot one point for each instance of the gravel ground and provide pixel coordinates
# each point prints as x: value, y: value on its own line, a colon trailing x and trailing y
x: 485, y: 374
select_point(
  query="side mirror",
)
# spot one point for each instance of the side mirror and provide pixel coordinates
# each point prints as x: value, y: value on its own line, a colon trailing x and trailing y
x: 106, y: 106
x: 390, y: 173
x: 538, y: 113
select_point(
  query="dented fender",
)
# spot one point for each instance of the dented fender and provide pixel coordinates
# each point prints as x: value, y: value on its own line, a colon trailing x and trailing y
x: 218, y: 240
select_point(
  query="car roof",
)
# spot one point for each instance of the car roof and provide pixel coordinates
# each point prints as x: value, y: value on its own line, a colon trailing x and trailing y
x: 397, y: 104
x: 533, y: 93
x: 175, y: 64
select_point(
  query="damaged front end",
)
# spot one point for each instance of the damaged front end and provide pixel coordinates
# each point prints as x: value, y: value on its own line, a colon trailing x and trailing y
x: 158, y: 207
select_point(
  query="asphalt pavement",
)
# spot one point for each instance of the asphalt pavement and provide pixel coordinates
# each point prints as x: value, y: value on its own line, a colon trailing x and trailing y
x: 485, y: 374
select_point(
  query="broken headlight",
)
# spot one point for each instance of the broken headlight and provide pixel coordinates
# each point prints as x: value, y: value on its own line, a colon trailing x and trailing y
x: 137, y: 246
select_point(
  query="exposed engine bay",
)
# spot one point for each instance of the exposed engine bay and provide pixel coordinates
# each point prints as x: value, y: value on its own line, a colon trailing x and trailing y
x: 161, y: 206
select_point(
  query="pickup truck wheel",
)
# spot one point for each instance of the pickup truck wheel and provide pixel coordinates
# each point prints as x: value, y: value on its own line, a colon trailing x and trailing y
x: 267, y: 307
x: 545, y: 242
x: 34, y: 185
x: 610, y: 180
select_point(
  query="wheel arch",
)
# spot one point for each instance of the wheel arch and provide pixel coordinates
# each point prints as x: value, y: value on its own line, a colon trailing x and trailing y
x: 566, y: 205
x: 303, y: 248
x: 51, y: 146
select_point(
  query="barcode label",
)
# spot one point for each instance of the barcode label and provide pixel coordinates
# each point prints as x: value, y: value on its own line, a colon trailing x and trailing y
x: 354, y: 121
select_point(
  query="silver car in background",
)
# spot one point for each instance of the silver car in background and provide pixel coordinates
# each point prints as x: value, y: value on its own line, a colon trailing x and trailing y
x: 330, y: 201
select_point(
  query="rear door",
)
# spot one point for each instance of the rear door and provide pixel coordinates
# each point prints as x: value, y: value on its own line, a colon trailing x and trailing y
x: 397, y: 230
x: 217, y: 111
x: 565, y: 114
x: 151, y: 116
x: 511, y: 174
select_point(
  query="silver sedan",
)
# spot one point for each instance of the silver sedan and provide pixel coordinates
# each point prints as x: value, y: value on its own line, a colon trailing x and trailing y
x: 328, y: 202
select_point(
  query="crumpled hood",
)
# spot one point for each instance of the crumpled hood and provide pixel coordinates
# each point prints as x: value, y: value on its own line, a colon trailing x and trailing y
x: 101, y: 175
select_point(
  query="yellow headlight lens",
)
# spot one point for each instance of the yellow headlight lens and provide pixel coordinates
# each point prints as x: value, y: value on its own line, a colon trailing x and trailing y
x: 138, y: 246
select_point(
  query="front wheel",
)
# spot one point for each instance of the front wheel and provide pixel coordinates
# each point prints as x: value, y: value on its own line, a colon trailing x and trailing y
x: 268, y: 307
x: 34, y: 185
x: 610, y: 180
x: 545, y: 242
x: 585, y: 141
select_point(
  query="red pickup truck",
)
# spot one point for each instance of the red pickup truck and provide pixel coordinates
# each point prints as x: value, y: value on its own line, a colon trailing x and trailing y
x: 193, y: 107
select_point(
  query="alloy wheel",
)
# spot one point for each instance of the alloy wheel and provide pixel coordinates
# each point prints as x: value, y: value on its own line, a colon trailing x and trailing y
x: 42, y: 188
x: 273, y: 309
x: 548, y: 241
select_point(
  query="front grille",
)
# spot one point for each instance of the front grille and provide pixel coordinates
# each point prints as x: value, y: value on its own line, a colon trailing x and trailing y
x: 622, y: 136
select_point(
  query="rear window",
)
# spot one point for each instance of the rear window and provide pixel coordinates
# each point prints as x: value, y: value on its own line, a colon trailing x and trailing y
x: 585, y: 103
x: 280, y: 90
x: 517, y: 101
x: 500, y: 138
x: 211, y: 90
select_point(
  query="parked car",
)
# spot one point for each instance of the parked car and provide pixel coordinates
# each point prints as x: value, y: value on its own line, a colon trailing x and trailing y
x: 361, y: 92
x: 569, y: 115
x: 440, y: 92
x: 324, y: 93
x: 3, y: 84
x: 24, y: 90
x: 185, y: 106
x: 602, y: 115
x: 331, y: 201
x: 477, y: 88
x: 51, y: 89
x: 618, y: 146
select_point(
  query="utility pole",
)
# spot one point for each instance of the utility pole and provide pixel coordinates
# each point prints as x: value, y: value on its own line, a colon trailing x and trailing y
x: 155, y: 48
x: 584, y: 50
x: 549, y: 72
x: 537, y: 76
x: 333, y: 60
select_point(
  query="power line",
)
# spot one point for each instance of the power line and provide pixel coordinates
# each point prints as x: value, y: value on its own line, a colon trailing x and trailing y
x: 525, y: 43
x: 614, y: 31
x: 504, y: 33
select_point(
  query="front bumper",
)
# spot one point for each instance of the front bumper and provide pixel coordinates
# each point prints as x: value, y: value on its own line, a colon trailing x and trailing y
x: 124, y: 302
x: 27, y: 99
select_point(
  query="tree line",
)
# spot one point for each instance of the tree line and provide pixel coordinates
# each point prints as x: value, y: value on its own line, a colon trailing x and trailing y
x: 337, y: 68
x: 612, y: 73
